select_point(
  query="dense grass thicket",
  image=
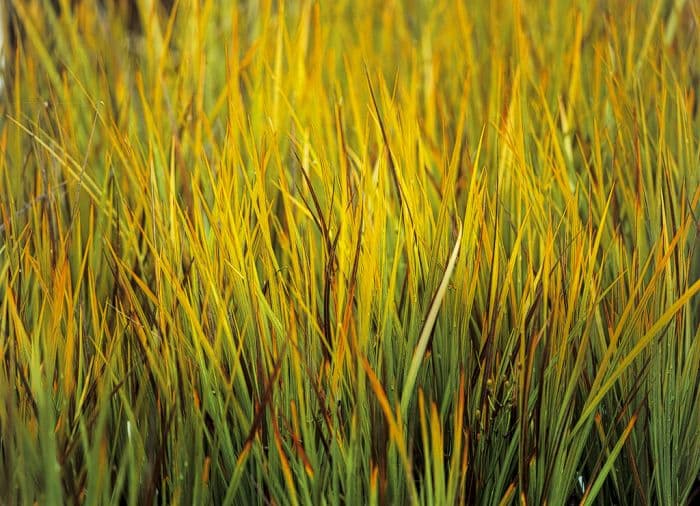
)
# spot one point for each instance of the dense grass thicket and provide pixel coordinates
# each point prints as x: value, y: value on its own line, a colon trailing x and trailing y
x: 350, y: 252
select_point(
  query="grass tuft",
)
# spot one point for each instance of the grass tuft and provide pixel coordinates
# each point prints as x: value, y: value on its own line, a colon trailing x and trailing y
x: 349, y: 252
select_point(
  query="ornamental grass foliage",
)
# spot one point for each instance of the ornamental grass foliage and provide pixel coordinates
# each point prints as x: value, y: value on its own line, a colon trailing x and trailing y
x: 350, y: 252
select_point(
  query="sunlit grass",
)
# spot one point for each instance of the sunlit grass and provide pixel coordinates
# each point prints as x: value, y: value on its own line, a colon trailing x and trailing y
x: 350, y: 252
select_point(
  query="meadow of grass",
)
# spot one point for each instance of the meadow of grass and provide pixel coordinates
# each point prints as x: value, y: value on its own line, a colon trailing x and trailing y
x: 350, y: 252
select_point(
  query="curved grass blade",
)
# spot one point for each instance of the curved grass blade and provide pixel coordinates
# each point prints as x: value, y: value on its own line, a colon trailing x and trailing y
x: 427, y: 329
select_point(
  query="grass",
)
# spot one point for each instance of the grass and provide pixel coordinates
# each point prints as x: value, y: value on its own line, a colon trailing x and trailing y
x: 350, y: 252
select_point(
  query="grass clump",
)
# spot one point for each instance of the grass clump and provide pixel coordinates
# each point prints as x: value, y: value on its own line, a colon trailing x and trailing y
x: 350, y: 252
